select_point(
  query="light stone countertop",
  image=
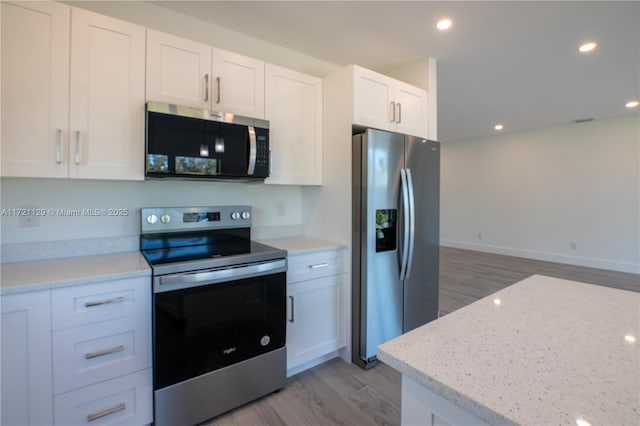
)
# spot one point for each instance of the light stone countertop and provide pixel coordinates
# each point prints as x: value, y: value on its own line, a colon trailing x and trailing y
x: 35, y: 275
x: 552, y: 352
x: 302, y: 244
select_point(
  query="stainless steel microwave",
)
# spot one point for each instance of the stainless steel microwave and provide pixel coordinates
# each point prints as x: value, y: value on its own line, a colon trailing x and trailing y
x: 191, y: 143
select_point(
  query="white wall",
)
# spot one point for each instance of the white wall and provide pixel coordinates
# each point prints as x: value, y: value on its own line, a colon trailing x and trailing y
x: 534, y: 194
x: 85, y: 194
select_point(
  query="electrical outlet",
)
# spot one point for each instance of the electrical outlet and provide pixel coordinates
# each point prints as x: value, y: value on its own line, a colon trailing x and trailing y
x: 28, y: 219
x: 480, y: 236
x: 572, y: 246
x: 282, y: 208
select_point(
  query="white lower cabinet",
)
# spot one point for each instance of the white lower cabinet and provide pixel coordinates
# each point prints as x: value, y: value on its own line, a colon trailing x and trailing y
x: 102, y: 353
x: 26, y: 359
x: 316, y: 327
x: 125, y: 400
x: 78, y: 355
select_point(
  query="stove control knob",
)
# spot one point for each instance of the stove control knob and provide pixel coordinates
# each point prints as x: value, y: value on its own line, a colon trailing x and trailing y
x: 246, y: 215
x: 152, y: 219
x: 235, y: 216
x: 165, y: 218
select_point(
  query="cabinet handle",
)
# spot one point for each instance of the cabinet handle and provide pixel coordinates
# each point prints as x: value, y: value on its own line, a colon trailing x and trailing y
x: 293, y: 306
x: 399, y: 113
x: 77, y: 148
x: 319, y: 265
x: 104, y: 352
x: 218, y: 90
x: 206, y: 87
x: 103, y: 413
x: 270, y: 162
x: 393, y: 112
x: 104, y: 302
x: 58, y: 146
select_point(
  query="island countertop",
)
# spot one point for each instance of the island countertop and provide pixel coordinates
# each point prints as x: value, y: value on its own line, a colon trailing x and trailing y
x: 542, y: 351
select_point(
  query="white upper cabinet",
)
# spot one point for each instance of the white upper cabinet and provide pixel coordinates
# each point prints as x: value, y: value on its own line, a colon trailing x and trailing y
x: 238, y: 84
x: 35, y: 89
x: 178, y: 70
x: 107, y: 97
x: 294, y: 111
x: 185, y: 72
x: 73, y: 93
x: 388, y: 104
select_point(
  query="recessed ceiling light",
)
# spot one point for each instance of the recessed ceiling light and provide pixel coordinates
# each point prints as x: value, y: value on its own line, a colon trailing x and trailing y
x: 587, y: 47
x: 497, y: 301
x: 632, y: 104
x: 630, y: 338
x: 444, y: 24
x: 498, y: 127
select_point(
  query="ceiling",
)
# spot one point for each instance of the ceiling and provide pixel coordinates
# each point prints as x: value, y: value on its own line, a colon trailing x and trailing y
x: 515, y: 63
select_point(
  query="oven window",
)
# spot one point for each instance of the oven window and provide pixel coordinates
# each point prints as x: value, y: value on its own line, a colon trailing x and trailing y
x: 201, y: 329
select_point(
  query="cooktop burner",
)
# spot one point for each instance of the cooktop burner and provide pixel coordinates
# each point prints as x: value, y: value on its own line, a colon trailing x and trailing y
x: 179, y: 239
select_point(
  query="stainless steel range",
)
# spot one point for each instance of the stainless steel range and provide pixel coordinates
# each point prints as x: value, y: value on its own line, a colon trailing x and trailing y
x: 219, y: 311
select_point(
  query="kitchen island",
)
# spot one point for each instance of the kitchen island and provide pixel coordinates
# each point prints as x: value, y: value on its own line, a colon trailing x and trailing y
x: 542, y: 351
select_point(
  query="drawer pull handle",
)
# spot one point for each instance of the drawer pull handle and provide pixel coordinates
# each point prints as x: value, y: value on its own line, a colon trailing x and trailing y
x: 104, y: 302
x: 104, y: 352
x: 103, y: 413
x: 319, y: 265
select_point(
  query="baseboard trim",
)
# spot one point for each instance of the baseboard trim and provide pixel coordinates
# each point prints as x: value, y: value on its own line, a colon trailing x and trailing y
x: 633, y: 268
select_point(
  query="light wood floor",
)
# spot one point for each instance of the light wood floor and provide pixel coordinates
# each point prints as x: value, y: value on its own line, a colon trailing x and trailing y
x: 339, y: 393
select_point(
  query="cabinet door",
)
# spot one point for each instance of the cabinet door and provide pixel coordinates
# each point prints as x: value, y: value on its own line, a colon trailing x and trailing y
x: 411, y: 117
x: 316, y: 323
x: 294, y: 110
x: 178, y: 70
x: 35, y: 88
x: 373, y: 94
x: 26, y: 359
x: 107, y: 97
x: 238, y: 84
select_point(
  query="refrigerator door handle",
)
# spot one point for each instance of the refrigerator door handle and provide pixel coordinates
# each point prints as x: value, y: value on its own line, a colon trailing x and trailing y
x: 405, y: 224
x: 412, y: 224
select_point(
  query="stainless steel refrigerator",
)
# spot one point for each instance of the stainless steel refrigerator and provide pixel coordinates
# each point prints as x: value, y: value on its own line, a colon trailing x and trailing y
x: 396, y: 204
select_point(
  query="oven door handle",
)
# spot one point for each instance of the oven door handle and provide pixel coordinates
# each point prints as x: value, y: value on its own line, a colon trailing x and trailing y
x: 212, y: 276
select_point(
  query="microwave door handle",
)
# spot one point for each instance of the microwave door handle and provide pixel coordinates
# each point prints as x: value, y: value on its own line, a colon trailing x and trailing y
x: 252, y: 150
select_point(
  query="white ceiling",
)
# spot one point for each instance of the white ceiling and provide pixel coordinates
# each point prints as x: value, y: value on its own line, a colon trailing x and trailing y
x: 513, y: 62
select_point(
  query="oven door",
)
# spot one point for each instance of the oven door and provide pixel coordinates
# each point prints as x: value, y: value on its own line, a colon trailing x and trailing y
x: 209, y: 322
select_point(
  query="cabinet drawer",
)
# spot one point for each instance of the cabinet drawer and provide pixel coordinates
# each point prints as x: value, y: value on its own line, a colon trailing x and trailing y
x: 97, y: 352
x: 81, y: 305
x: 315, y: 265
x: 122, y: 401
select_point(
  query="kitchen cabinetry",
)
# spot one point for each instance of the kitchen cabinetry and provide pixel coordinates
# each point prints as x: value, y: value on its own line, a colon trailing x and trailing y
x: 316, y: 285
x: 35, y: 88
x: 294, y: 110
x: 385, y: 103
x: 73, y: 99
x: 26, y: 359
x: 186, y: 72
x: 102, y: 352
x: 106, y: 115
x: 78, y: 354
